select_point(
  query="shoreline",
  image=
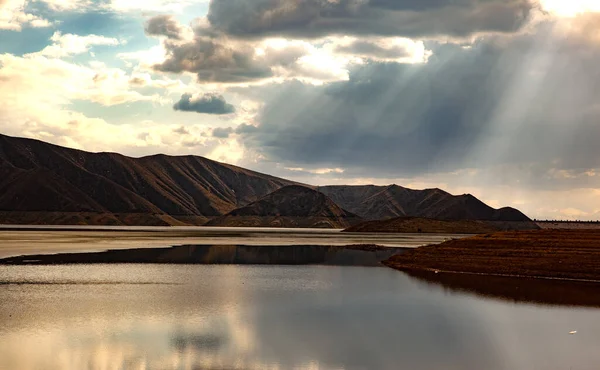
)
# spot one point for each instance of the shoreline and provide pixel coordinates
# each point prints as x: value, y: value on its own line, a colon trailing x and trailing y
x: 567, y: 255
x: 490, y: 274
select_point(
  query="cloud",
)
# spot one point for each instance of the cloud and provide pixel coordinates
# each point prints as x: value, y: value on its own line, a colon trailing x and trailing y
x: 119, y: 6
x: 69, y: 44
x: 181, y: 130
x: 57, y: 82
x: 222, y: 132
x: 407, y: 18
x: 208, y: 103
x: 164, y: 25
x: 395, y: 49
x: 245, y: 129
x: 13, y: 16
x: 213, y: 61
x: 221, y: 60
x: 527, y: 99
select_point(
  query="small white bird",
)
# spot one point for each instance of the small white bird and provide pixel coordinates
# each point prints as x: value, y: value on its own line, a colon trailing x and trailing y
x: 573, y: 332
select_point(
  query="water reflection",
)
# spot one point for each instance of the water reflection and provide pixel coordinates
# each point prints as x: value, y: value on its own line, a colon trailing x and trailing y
x: 249, y: 317
x: 518, y: 290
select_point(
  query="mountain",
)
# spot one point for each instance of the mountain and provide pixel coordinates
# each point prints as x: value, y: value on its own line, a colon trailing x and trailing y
x: 42, y: 183
x: 290, y: 206
x: 39, y: 177
x: 429, y: 225
x: 384, y: 202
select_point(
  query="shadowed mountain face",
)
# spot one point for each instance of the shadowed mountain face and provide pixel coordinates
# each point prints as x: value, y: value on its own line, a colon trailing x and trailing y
x: 41, y: 183
x: 383, y: 202
x: 290, y: 206
x: 37, y: 176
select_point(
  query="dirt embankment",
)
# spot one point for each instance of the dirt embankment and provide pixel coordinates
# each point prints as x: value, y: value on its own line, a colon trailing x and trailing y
x: 563, y: 254
x: 424, y: 225
x: 430, y: 225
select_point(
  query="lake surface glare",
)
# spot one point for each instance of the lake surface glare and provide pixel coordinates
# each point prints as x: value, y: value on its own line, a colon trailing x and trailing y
x: 274, y: 317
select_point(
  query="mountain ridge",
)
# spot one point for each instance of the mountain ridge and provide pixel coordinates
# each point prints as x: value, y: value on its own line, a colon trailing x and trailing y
x: 374, y: 202
x: 47, y: 183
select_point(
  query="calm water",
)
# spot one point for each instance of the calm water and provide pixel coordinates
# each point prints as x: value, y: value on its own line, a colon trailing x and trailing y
x: 27, y: 239
x: 248, y: 317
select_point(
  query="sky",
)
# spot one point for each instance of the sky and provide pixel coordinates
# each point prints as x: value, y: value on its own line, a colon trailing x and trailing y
x: 497, y: 98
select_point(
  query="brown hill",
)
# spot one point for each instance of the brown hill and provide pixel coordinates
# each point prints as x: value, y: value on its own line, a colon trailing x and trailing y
x: 41, y: 183
x: 384, y: 202
x: 39, y: 177
x: 290, y: 206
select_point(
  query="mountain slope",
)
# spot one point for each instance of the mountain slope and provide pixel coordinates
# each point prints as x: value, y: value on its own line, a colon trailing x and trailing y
x: 38, y: 176
x: 46, y: 183
x: 384, y: 202
x: 290, y: 206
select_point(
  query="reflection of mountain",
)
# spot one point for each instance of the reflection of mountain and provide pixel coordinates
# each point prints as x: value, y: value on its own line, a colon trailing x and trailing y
x: 41, y: 183
x: 357, y: 255
x: 290, y: 206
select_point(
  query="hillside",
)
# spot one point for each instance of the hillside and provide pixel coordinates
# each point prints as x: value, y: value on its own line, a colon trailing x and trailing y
x: 384, y: 202
x: 290, y: 206
x: 42, y: 183
x: 39, y: 177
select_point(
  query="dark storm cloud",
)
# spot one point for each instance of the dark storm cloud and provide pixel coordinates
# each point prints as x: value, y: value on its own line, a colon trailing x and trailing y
x: 373, y: 50
x: 163, y: 25
x: 502, y: 101
x: 409, y: 18
x: 209, y: 103
x: 213, y: 61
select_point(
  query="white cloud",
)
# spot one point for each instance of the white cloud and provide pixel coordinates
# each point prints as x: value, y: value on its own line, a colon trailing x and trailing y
x: 122, y: 6
x: 69, y: 44
x: 36, y: 80
x: 13, y: 16
x: 176, y: 6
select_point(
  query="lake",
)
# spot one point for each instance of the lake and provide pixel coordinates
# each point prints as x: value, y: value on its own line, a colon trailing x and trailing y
x: 78, y: 317
x: 19, y: 240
